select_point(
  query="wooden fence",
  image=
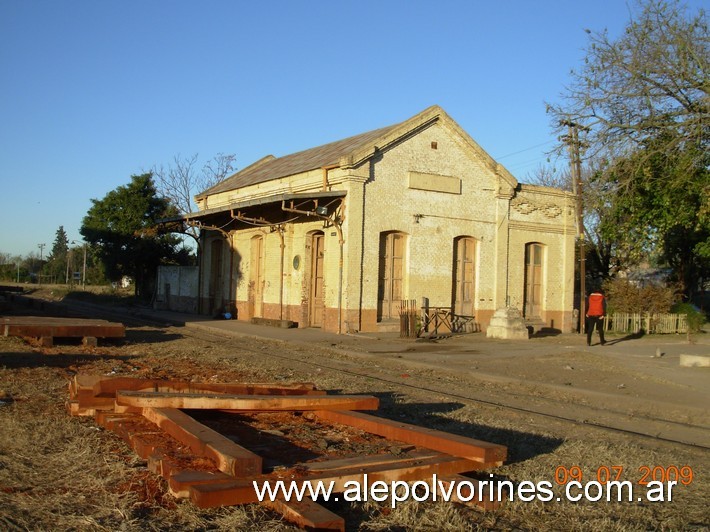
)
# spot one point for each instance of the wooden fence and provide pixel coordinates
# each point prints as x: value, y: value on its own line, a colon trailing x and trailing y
x: 661, y: 323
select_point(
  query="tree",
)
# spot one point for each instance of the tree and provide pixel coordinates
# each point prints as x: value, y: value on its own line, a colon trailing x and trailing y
x: 57, y: 260
x: 672, y: 220
x: 652, y: 79
x: 180, y: 181
x: 608, y: 249
x: 11, y: 268
x: 641, y: 103
x: 122, y: 229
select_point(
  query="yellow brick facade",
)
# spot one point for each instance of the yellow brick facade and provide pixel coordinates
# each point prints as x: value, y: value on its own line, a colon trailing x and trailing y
x: 429, y: 184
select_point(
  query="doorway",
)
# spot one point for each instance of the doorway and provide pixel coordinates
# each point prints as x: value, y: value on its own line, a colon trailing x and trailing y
x: 464, y: 276
x: 532, y: 307
x: 391, y: 275
x: 256, y: 278
x: 215, y: 289
x: 316, y: 302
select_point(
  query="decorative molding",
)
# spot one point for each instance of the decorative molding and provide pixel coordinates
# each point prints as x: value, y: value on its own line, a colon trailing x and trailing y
x: 541, y: 227
x: 526, y: 207
x: 434, y: 182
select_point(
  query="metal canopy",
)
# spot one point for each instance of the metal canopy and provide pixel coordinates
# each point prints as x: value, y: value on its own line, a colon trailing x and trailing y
x: 268, y: 210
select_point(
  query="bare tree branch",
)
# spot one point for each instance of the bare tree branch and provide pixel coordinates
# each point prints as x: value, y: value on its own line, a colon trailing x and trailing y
x: 181, y: 180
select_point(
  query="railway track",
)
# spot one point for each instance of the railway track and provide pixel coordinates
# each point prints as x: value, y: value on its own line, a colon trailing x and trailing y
x: 637, y: 425
x: 634, y: 425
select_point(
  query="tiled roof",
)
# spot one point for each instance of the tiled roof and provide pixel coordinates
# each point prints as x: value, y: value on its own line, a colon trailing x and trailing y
x: 303, y: 161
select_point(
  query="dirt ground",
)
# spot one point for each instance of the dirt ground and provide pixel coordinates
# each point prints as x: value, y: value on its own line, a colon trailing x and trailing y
x: 555, y: 403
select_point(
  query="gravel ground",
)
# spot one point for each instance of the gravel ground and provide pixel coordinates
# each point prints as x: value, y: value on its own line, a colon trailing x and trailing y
x: 64, y: 473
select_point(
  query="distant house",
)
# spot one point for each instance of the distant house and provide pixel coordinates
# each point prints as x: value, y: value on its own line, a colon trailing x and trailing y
x: 338, y: 235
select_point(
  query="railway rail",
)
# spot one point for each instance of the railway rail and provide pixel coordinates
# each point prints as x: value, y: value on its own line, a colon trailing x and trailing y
x: 620, y: 423
x: 649, y: 428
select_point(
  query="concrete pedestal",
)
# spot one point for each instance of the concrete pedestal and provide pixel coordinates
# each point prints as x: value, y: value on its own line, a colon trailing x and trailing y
x: 695, y: 361
x: 508, y: 324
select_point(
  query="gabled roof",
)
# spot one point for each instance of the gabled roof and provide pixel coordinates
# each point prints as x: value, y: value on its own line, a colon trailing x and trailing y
x: 347, y: 152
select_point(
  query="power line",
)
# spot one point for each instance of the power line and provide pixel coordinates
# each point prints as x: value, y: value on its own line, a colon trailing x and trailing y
x: 524, y: 150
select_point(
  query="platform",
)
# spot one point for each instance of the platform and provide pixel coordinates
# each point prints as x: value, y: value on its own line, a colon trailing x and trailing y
x: 48, y: 328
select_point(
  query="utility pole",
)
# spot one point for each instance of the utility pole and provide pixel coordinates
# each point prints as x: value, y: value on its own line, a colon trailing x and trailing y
x: 66, y: 281
x: 83, y: 272
x: 573, y: 143
x: 39, y: 274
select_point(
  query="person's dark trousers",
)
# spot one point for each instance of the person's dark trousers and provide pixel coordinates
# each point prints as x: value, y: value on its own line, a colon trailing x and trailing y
x: 592, y: 322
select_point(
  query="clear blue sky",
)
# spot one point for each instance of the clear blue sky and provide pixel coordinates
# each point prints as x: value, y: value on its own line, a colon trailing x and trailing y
x: 95, y: 91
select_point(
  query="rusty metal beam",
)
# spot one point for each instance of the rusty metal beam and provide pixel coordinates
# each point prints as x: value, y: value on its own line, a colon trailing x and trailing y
x: 453, y: 444
x: 110, y: 386
x: 261, y: 403
x: 38, y: 326
x: 229, y: 456
x: 307, y: 514
x: 241, y: 491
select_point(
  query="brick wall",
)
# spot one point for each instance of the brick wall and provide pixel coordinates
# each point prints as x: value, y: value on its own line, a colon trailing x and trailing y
x: 432, y: 187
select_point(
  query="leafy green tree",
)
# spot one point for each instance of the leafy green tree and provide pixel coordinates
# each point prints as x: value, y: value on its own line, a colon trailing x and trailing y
x: 56, y: 267
x: 608, y: 248
x: 10, y: 268
x: 665, y: 209
x: 641, y: 104
x: 121, y: 227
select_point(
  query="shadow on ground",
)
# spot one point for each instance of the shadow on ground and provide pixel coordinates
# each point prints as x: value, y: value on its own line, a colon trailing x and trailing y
x: 545, y: 332
x: 521, y: 445
x: 634, y: 336
x: 63, y: 360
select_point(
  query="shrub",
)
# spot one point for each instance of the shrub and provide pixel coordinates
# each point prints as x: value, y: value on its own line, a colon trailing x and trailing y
x: 694, y: 317
x: 624, y: 296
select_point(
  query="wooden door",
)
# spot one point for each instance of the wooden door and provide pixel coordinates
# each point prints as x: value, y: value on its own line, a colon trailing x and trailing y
x: 391, y: 275
x: 464, y: 276
x: 532, y: 307
x: 316, y: 300
x: 256, y: 277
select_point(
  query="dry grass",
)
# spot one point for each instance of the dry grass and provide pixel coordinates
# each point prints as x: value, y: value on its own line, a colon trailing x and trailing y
x: 63, y: 473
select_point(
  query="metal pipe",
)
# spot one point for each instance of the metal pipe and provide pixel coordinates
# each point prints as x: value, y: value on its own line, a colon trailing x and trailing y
x: 83, y: 273
x: 340, y: 281
x: 231, y: 267
x: 325, y: 175
x: 281, y: 282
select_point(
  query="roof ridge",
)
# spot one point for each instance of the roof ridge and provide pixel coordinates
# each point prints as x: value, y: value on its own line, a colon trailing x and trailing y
x: 270, y: 167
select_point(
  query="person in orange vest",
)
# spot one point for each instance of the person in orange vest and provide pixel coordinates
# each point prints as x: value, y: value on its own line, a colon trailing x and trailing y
x: 596, y: 310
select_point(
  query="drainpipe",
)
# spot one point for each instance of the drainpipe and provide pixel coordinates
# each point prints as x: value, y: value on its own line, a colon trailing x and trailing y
x: 325, y: 169
x: 341, y: 241
x: 281, y: 286
x: 200, y: 266
x: 507, y: 258
x: 231, y: 269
